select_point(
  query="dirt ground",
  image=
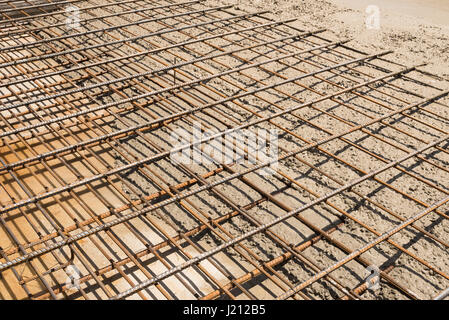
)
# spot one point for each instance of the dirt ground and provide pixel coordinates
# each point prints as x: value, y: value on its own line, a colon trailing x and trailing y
x: 417, y: 30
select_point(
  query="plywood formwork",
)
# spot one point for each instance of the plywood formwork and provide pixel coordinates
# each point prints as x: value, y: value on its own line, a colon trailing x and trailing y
x: 93, y: 205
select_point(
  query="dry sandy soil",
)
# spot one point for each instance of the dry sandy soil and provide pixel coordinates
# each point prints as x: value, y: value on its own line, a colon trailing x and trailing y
x: 417, y: 30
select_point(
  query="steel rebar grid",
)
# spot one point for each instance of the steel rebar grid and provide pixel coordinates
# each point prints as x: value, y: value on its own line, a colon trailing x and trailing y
x: 199, y: 93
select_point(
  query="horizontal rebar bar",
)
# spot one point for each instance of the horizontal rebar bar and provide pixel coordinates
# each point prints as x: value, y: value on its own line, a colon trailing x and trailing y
x: 442, y: 295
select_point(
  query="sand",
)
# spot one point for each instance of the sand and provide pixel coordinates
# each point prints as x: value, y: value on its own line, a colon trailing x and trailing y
x: 417, y: 30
